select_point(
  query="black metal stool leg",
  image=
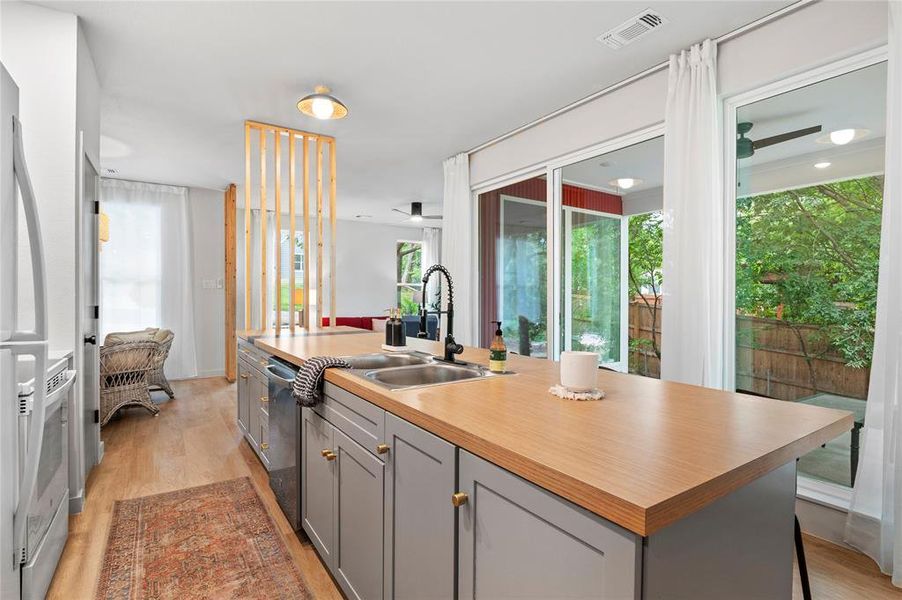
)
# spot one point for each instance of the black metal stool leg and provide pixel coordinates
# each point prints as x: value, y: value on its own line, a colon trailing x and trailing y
x: 803, y: 566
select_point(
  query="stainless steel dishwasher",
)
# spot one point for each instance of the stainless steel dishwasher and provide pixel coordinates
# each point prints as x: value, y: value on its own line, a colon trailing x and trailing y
x: 284, y: 440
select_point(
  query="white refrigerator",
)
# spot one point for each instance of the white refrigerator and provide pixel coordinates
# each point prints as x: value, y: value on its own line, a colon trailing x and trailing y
x: 33, y: 416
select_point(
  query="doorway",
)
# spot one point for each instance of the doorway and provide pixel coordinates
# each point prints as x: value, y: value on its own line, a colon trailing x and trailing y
x: 89, y: 312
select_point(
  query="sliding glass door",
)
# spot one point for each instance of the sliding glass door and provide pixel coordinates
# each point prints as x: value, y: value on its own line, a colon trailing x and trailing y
x: 571, y: 259
x: 593, y: 264
x: 513, y: 252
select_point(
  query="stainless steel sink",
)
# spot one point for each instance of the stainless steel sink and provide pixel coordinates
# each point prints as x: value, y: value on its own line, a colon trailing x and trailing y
x: 434, y: 373
x: 368, y: 362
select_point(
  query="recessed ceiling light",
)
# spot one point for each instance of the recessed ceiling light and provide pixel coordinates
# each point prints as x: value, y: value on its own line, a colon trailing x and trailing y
x: 321, y: 105
x: 841, y: 137
x: 625, y: 183
x: 822, y: 165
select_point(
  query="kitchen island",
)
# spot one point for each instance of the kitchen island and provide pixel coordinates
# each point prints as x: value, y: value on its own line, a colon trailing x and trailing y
x: 694, y: 487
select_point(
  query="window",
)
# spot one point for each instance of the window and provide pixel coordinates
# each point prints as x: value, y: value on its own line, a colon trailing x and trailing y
x: 409, y: 276
x: 808, y: 217
x: 646, y: 259
x: 291, y: 254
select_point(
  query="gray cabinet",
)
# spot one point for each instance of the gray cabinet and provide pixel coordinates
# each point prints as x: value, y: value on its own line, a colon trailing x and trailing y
x: 244, y: 380
x: 419, y: 519
x: 253, y: 401
x: 359, y: 479
x: 517, y: 540
x: 318, y: 484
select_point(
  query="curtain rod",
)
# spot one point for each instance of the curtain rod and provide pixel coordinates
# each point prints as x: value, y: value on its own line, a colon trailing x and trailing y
x: 659, y: 67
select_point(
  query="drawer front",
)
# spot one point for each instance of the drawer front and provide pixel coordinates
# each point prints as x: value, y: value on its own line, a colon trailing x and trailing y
x: 253, y: 357
x: 360, y: 420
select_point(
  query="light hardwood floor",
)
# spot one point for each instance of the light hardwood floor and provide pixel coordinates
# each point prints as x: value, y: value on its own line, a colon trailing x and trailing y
x: 195, y: 441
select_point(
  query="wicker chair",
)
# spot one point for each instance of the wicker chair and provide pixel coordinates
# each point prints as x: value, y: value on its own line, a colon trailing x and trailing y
x: 163, y: 338
x: 157, y: 379
x: 124, y: 372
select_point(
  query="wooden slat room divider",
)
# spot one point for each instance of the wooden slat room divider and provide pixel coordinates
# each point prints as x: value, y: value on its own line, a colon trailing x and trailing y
x: 257, y: 188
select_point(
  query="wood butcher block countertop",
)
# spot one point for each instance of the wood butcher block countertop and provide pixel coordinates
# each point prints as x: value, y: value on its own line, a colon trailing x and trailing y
x: 647, y: 455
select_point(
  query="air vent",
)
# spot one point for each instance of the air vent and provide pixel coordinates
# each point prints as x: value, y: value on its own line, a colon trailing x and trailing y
x: 633, y: 29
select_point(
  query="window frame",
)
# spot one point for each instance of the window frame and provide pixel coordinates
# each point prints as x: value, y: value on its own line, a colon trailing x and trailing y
x: 399, y: 284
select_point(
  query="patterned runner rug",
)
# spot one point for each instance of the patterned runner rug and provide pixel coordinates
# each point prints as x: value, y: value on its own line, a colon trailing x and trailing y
x: 212, y: 541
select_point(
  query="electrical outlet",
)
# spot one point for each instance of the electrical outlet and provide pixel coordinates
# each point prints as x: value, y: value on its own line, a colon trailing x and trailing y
x: 219, y: 283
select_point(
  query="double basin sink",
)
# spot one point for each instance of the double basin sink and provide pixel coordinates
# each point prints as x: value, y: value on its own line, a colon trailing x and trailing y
x: 401, y: 371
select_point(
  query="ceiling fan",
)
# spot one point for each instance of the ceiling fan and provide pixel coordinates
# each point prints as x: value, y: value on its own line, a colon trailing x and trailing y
x: 416, y: 212
x: 745, y: 147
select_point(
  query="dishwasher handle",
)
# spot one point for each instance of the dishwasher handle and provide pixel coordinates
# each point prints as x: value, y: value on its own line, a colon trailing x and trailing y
x: 280, y: 381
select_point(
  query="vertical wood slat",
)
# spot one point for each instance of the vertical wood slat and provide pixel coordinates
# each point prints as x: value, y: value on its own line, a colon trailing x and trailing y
x: 231, y: 341
x: 247, y: 227
x: 308, y: 299
x: 319, y: 236
x: 277, y: 183
x: 291, y: 229
x: 306, y: 232
x: 332, y: 217
x: 263, y: 306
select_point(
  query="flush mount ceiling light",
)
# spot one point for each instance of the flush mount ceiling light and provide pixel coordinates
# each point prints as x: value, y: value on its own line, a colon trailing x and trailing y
x: 841, y: 137
x: 320, y: 105
x: 625, y: 183
x: 822, y: 165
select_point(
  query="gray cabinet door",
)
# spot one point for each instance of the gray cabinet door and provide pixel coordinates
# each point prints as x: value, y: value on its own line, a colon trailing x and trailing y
x: 244, y: 379
x: 419, y: 518
x: 517, y: 540
x: 318, y: 515
x: 358, y: 560
x: 255, y: 392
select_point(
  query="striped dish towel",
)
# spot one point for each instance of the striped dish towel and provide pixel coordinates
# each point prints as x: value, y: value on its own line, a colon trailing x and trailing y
x: 308, y: 383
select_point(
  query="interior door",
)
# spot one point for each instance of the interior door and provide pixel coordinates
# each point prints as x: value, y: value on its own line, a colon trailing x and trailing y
x: 90, y: 315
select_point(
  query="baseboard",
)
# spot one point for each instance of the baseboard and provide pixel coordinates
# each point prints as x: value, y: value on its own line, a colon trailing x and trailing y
x: 203, y: 375
x: 820, y: 520
x: 77, y: 502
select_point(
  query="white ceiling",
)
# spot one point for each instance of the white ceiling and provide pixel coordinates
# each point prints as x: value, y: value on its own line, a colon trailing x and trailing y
x: 422, y: 80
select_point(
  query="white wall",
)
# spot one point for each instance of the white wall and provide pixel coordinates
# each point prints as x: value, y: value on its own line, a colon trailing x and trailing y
x: 365, y: 265
x: 814, y: 35
x: 208, y: 227
x: 39, y: 50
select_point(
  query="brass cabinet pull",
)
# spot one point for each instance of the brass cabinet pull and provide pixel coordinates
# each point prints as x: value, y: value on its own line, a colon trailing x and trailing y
x: 459, y: 499
x: 264, y: 446
x: 382, y: 449
x: 264, y: 399
x: 328, y: 454
x: 244, y: 375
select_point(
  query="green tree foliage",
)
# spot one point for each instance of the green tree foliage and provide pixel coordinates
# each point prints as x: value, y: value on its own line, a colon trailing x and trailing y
x: 810, y: 256
x: 646, y: 248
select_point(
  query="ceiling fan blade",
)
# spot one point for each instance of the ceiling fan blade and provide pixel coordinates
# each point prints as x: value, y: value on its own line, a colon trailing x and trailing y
x: 401, y: 211
x: 785, y: 137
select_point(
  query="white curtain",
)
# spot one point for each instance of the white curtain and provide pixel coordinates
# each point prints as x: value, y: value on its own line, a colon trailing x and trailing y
x: 692, y: 323
x: 432, y: 255
x: 457, y: 251
x: 146, y: 267
x: 874, y: 523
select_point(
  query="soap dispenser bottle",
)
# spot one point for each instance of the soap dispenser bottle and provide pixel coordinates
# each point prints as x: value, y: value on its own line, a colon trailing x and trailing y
x: 389, y: 327
x: 498, y: 351
x: 399, y: 337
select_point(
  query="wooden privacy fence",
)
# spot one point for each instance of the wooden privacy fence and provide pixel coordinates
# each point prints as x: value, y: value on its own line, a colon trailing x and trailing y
x: 772, y: 358
x: 304, y: 150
